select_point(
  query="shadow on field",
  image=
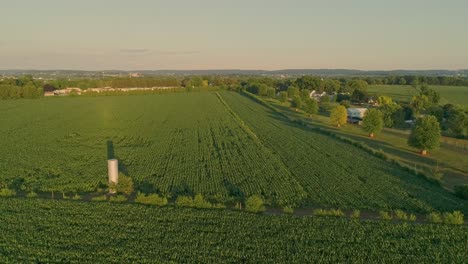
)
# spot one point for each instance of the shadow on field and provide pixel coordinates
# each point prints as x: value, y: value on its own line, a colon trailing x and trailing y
x: 110, y: 149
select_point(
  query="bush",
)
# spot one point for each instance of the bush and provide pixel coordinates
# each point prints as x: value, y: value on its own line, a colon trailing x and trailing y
x: 152, y: 199
x: 461, y: 191
x: 455, y: 218
x: 331, y: 212
x: 288, y: 210
x: 200, y: 202
x: 356, y: 214
x: 76, y: 197
x: 412, y: 217
x: 434, y: 218
x: 385, y: 215
x: 99, y: 198
x: 5, y: 192
x: 400, y: 215
x: 118, y: 199
x: 254, y: 204
x: 125, y: 184
x: 184, y: 201
x: 31, y: 195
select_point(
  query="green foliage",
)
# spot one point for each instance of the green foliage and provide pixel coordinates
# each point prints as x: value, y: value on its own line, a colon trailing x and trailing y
x: 328, y: 212
x: 31, y: 195
x: 118, y: 198
x: 425, y: 134
x: 372, y: 122
x: 385, y: 215
x: 345, y: 103
x: 5, y: 192
x: 292, y: 91
x: 434, y: 217
x: 271, y: 92
x: 412, y: 217
x: 130, y: 233
x: 310, y: 106
x: 99, y: 198
x: 288, y: 210
x: 338, y: 116
x: 125, y: 184
x: 254, y: 204
x: 76, y: 197
x: 184, y: 201
x: 283, y: 96
x: 297, y: 102
x: 200, y: 202
x: 454, y: 218
x: 355, y: 214
x: 400, y: 215
x: 152, y: 199
x: 461, y: 191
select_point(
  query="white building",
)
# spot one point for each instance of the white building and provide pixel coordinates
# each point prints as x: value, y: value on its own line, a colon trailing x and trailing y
x: 356, y: 113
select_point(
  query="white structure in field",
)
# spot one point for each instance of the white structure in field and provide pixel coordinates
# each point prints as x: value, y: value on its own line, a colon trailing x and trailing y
x: 113, y: 168
x: 356, y: 113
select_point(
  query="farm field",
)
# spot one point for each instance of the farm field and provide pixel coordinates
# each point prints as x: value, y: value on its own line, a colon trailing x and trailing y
x: 45, y: 231
x: 222, y: 145
x: 449, y: 94
x: 450, y: 158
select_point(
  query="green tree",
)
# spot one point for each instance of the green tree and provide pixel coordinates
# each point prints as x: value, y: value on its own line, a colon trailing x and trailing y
x: 296, y: 102
x: 419, y: 103
x: 305, y: 94
x: 254, y: 204
x: 388, y: 109
x: 338, y: 116
x: 425, y: 134
x: 125, y: 184
x: 457, y: 122
x: 311, y: 106
x: 372, y: 122
x: 283, y: 96
x: 271, y: 92
x: 292, y: 91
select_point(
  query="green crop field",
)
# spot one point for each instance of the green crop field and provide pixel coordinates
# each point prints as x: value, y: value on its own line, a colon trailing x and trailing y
x: 222, y: 145
x: 48, y: 231
x: 403, y: 93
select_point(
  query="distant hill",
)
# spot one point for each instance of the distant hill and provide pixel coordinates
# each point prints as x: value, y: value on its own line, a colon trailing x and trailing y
x: 288, y: 72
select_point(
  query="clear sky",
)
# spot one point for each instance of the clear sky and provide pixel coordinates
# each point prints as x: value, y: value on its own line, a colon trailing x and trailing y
x: 237, y: 34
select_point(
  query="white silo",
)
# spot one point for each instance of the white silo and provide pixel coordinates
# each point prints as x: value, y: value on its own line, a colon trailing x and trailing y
x: 113, y: 168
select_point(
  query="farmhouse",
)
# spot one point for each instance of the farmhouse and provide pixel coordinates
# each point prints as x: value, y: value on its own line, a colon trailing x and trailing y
x: 316, y: 95
x: 355, y: 115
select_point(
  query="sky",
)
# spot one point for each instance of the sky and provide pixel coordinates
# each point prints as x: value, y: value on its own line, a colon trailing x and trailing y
x: 240, y: 34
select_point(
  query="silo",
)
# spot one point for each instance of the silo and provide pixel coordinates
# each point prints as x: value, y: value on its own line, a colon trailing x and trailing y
x: 113, y: 168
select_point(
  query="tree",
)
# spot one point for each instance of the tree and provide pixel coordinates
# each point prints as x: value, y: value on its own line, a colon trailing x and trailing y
x: 125, y: 184
x: 419, y: 103
x: 283, y: 96
x: 271, y: 92
x: 311, y: 106
x: 338, y: 116
x: 292, y: 91
x: 425, y: 134
x: 433, y: 96
x: 254, y: 204
x: 372, y: 122
x: 305, y: 94
x: 457, y: 121
x: 296, y: 102
x: 388, y: 109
